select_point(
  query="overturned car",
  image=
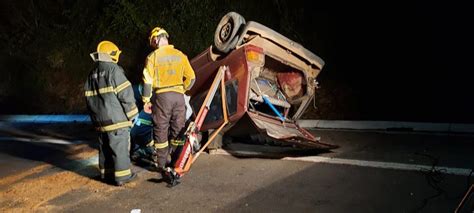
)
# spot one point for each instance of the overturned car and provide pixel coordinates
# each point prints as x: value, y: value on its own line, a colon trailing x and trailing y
x: 270, y: 82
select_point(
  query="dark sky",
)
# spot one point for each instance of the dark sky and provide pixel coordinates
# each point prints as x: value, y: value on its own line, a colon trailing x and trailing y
x: 405, y: 59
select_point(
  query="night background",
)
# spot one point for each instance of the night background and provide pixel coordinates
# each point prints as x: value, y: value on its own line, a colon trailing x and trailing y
x: 405, y: 61
x: 384, y: 61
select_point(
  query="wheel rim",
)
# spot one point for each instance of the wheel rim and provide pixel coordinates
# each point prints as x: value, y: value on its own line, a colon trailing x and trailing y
x: 226, y: 30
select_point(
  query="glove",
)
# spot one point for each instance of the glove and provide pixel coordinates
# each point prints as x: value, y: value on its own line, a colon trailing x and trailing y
x: 134, y: 120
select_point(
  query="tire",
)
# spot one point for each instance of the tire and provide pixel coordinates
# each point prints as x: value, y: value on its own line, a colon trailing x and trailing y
x: 227, y: 32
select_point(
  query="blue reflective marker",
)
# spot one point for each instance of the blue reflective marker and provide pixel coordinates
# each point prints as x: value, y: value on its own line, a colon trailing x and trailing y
x: 45, y: 118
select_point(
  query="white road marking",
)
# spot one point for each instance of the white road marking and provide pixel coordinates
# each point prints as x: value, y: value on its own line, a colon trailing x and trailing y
x: 361, y: 163
x: 40, y: 140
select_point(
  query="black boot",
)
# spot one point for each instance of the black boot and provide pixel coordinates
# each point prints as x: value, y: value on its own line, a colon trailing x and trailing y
x: 169, y: 176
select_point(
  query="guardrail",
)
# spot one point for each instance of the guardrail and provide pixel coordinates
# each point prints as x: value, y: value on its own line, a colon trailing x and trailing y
x: 45, y: 118
x: 387, y: 125
x: 316, y: 124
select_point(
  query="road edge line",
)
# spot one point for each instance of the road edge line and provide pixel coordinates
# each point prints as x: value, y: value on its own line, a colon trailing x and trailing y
x: 353, y: 162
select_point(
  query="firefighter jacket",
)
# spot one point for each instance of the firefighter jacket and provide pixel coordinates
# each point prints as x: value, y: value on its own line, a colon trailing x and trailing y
x: 167, y: 69
x: 109, y: 96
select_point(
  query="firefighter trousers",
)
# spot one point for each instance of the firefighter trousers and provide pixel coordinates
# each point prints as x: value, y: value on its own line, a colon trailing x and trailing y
x: 114, y: 156
x: 168, y: 112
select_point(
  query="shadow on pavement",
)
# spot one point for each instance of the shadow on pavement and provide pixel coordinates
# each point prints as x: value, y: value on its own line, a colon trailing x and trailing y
x: 247, y: 150
x: 66, y: 146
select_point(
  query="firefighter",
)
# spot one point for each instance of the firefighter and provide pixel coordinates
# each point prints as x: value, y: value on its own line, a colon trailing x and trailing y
x: 141, y: 134
x: 167, y: 74
x: 112, y: 108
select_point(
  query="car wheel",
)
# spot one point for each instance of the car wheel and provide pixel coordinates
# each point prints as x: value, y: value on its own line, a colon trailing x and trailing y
x: 226, y: 35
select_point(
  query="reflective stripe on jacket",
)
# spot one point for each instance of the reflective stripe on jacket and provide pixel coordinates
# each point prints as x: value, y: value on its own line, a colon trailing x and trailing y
x: 167, y: 69
x: 109, y: 96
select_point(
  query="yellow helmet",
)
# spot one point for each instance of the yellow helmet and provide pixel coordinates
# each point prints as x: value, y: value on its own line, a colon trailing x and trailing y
x: 109, y: 48
x: 157, y: 31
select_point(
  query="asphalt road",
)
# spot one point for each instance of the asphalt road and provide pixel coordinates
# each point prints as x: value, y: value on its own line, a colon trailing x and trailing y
x: 53, y: 168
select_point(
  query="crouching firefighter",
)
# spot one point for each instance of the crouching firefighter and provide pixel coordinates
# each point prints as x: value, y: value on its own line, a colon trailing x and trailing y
x: 142, y: 150
x: 112, y: 108
x: 167, y: 74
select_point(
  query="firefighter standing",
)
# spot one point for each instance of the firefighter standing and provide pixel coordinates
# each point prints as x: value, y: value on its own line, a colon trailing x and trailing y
x: 141, y: 134
x: 168, y: 74
x: 112, y: 108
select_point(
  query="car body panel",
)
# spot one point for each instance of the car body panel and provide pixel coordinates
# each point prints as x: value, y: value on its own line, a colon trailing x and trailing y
x: 256, y: 28
x: 245, y: 121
